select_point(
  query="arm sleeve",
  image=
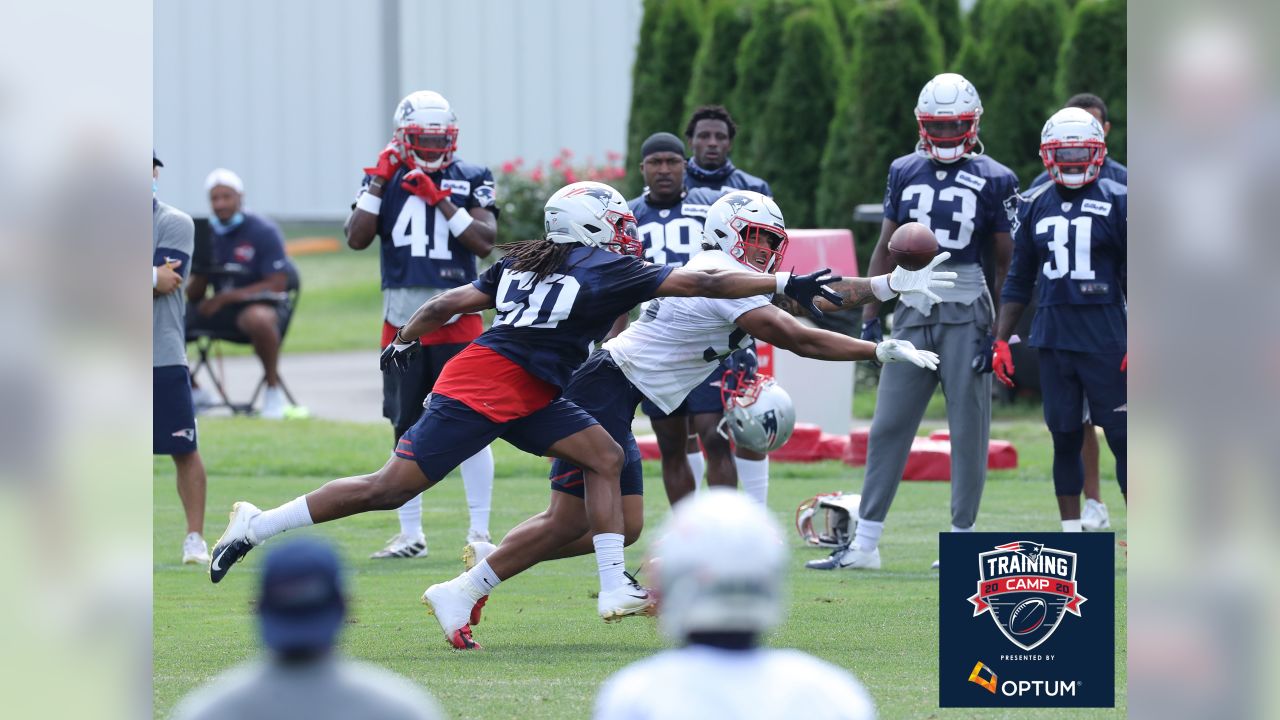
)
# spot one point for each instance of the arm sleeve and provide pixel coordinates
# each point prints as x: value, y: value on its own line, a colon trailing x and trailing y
x: 488, y: 282
x: 1022, y: 270
x: 484, y: 193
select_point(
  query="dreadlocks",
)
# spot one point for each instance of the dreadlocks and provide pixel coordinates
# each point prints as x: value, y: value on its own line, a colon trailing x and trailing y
x: 540, y: 257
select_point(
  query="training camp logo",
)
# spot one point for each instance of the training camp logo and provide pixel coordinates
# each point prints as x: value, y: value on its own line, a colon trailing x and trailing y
x: 1027, y: 588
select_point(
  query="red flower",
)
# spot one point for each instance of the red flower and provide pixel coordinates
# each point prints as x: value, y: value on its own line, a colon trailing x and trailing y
x: 570, y: 176
x: 557, y: 163
x: 613, y: 156
x: 508, y: 167
x: 536, y: 175
x: 519, y: 162
x: 566, y: 153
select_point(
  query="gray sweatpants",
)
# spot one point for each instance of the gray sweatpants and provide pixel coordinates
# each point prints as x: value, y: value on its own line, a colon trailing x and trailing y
x: 955, y: 331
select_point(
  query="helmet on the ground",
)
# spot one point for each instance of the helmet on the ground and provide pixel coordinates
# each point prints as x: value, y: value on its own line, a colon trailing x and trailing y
x: 593, y: 214
x: 742, y: 223
x: 1073, y: 147
x: 838, y: 513
x: 947, y: 114
x: 427, y: 130
x: 759, y: 415
x: 722, y: 565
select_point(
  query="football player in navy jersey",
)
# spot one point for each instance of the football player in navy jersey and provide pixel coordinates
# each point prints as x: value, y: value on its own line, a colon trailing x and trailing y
x: 949, y: 186
x: 710, y: 133
x: 554, y: 297
x: 435, y: 214
x: 1070, y: 244
x: 1094, y: 516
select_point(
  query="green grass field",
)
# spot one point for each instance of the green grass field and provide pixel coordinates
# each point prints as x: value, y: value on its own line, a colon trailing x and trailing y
x: 546, y: 652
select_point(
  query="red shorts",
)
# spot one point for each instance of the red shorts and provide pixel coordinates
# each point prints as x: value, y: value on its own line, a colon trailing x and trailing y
x: 492, y: 385
x: 466, y: 329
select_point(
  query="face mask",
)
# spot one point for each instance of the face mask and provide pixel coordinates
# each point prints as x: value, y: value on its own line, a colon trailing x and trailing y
x: 155, y: 187
x: 222, y: 228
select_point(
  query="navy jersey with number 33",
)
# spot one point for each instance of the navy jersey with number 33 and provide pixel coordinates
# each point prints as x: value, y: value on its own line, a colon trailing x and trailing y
x: 546, y: 327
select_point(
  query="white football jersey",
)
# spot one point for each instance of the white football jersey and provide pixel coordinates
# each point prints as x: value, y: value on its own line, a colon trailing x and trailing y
x: 678, y: 340
x: 699, y: 682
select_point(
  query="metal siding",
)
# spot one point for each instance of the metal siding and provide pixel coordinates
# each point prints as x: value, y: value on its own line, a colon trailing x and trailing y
x: 291, y: 93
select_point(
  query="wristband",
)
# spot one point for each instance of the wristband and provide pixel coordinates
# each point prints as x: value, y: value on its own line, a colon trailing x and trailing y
x: 782, y: 279
x: 369, y: 203
x: 155, y: 277
x: 459, y: 223
x: 880, y: 288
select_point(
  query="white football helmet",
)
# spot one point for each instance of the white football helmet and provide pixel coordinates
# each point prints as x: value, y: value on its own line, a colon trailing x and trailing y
x: 947, y: 113
x: 721, y: 568
x: 744, y: 223
x: 759, y: 415
x: 1073, y: 147
x: 593, y: 214
x: 839, y: 513
x: 427, y: 130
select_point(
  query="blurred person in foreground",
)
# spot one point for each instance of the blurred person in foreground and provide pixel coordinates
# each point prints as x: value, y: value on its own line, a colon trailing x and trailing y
x: 249, y: 255
x: 720, y: 565
x: 173, y: 418
x: 301, y: 608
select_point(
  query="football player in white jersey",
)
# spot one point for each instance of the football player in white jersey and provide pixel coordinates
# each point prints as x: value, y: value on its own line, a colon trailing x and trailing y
x: 720, y: 579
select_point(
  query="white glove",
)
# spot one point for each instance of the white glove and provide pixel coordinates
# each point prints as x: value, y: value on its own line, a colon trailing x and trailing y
x: 922, y: 281
x: 900, y: 350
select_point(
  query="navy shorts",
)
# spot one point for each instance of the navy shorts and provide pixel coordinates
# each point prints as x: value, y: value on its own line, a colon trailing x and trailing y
x: 173, y: 417
x: 449, y: 432
x: 225, y: 320
x: 1068, y: 378
x: 600, y: 389
x: 703, y: 399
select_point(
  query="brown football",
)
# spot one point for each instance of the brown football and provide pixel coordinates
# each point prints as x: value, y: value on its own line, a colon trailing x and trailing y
x: 912, y: 246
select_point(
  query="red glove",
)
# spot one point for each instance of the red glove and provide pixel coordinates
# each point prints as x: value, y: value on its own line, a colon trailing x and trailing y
x: 389, y: 162
x: 1002, y: 362
x: 421, y: 184
x: 1124, y: 364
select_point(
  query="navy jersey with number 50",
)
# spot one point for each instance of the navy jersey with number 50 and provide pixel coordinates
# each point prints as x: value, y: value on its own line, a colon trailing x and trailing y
x: 546, y: 327
x: 962, y: 202
x: 1073, y: 245
x: 673, y: 233
x: 417, y: 248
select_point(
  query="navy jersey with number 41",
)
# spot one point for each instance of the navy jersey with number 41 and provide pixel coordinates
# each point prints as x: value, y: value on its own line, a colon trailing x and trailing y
x: 961, y: 202
x: 417, y: 248
x: 673, y: 233
x: 547, y: 326
x: 1073, y: 245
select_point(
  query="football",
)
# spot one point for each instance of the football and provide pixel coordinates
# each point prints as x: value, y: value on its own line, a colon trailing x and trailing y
x: 912, y: 246
x: 1027, y: 616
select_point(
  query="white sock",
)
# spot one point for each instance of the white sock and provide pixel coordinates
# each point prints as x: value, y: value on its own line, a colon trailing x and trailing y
x: 477, y: 481
x: 1072, y: 526
x: 753, y: 478
x: 960, y: 529
x: 483, y: 578
x: 867, y: 536
x: 411, y: 517
x: 609, y: 560
x: 289, y: 516
x: 699, y: 466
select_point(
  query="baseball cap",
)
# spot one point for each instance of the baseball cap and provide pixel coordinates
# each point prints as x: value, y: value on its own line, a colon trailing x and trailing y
x: 301, y: 604
x: 155, y: 161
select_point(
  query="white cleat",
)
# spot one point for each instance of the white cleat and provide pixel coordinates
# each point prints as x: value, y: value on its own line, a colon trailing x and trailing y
x: 847, y: 558
x: 195, y: 550
x: 630, y: 599
x: 451, y: 603
x: 936, y: 564
x: 475, y: 552
x: 273, y: 404
x: 236, y: 541
x: 478, y: 536
x: 1095, y: 516
x: 403, y: 546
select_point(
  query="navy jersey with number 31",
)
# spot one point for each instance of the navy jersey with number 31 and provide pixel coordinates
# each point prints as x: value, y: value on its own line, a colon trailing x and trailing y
x: 546, y: 326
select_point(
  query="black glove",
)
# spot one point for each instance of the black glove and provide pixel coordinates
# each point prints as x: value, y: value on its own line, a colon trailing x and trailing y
x: 982, y: 361
x: 397, y: 354
x: 873, y: 333
x: 804, y: 288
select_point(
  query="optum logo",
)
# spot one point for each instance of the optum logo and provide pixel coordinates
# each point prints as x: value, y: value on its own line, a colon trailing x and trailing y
x: 1038, y: 688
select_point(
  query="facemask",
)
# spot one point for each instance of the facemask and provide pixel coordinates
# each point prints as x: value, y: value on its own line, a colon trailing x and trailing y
x: 222, y: 228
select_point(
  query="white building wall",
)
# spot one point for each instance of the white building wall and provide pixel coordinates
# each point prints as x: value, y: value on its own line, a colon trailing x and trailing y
x: 297, y: 95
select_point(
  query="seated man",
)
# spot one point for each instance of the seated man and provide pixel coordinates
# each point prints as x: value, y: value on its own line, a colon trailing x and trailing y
x: 249, y: 280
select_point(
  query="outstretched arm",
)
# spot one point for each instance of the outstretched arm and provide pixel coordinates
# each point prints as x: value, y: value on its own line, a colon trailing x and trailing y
x: 777, y: 328
x: 437, y: 311
x: 804, y: 289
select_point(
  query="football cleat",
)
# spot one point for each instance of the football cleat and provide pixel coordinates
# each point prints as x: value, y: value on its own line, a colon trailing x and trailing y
x: 478, y: 536
x: 477, y: 609
x: 195, y: 550
x: 452, y: 604
x: 847, y: 558
x: 475, y: 553
x: 936, y: 565
x: 1095, y: 516
x: 630, y: 599
x: 403, y: 546
x: 236, y: 540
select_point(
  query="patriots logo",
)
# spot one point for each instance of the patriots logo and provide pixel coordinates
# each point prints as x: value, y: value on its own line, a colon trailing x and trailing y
x: 604, y: 195
x: 1024, y: 548
x: 404, y: 111
x: 737, y: 200
x: 769, y: 421
x: 485, y: 195
x: 188, y: 434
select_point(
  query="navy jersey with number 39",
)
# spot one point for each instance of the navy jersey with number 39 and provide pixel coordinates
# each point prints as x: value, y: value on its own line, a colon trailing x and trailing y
x: 1072, y: 244
x: 417, y: 248
x: 546, y: 327
x: 673, y: 234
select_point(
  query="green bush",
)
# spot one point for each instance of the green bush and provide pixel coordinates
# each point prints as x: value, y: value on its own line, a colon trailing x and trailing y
x: 669, y: 35
x: 523, y: 192
x: 970, y: 60
x: 757, y: 66
x: 1093, y: 60
x: 715, y: 71
x: 946, y: 16
x: 874, y: 120
x: 1021, y: 38
x: 793, y: 127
